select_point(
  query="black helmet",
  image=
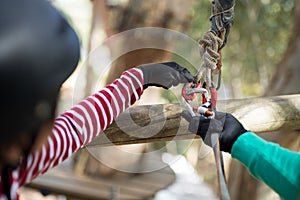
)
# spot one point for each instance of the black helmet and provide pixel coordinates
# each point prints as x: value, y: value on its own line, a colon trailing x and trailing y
x: 38, y: 52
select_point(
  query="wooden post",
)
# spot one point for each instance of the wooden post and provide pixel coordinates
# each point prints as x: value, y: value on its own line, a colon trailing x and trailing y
x: 150, y: 123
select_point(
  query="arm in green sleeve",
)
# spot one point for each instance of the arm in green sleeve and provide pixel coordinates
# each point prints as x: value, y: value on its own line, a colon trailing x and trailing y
x: 279, y: 168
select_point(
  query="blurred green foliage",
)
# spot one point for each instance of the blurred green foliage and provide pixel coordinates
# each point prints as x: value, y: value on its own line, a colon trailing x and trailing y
x: 256, y: 43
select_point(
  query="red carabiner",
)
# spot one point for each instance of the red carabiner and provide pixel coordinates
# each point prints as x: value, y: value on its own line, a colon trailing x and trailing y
x: 188, y: 86
x: 213, y: 97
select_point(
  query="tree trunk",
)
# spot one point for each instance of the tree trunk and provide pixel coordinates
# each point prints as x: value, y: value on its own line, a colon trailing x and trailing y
x: 286, y: 78
x: 171, y: 14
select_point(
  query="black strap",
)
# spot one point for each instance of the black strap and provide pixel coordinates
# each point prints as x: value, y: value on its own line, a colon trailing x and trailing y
x: 223, y: 190
x: 6, y: 182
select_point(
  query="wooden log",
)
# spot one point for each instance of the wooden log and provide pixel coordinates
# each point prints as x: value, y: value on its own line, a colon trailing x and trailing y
x: 150, y: 123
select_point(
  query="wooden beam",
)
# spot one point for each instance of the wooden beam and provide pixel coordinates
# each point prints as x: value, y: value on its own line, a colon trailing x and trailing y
x: 63, y: 180
x: 163, y: 122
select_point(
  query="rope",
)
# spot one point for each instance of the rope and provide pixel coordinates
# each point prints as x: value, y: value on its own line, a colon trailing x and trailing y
x: 210, y: 51
x: 209, y: 47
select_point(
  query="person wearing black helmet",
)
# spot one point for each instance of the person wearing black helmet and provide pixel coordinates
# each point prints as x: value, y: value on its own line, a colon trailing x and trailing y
x: 38, y: 52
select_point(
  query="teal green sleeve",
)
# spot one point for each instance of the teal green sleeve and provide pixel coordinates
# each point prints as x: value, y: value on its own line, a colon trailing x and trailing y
x: 277, y: 167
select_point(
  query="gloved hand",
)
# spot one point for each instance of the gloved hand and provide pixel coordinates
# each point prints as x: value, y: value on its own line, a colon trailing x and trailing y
x: 225, y: 124
x: 165, y: 75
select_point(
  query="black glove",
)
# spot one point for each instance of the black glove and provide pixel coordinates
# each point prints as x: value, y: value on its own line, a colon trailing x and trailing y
x: 224, y: 124
x: 165, y: 75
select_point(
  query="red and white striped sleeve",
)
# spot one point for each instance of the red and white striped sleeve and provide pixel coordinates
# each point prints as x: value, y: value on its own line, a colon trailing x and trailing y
x: 77, y: 127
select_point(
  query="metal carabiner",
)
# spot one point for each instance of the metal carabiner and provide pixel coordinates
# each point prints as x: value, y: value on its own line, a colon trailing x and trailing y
x: 187, y: 91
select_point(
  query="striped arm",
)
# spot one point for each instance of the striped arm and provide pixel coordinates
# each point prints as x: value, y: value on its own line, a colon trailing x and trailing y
x: 78, y: 126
